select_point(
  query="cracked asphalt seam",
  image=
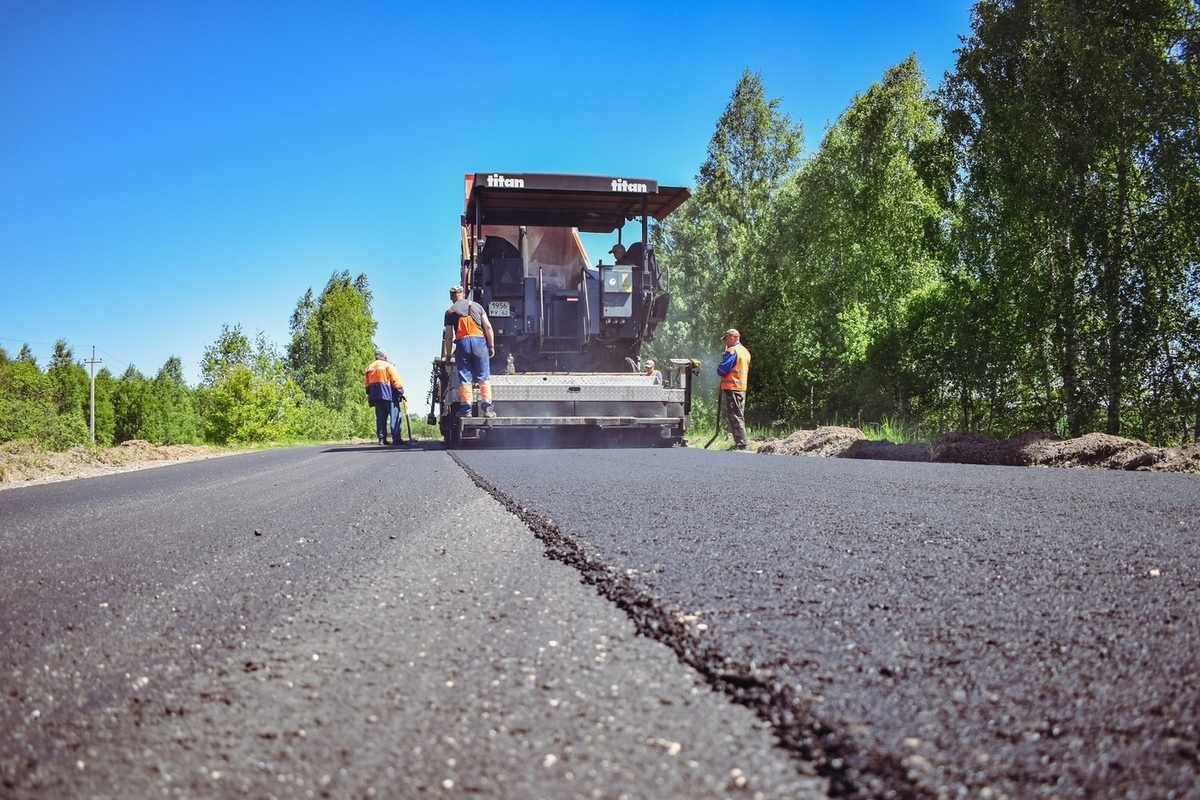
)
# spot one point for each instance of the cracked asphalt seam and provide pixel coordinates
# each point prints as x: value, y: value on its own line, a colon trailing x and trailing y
x: 833, y: 755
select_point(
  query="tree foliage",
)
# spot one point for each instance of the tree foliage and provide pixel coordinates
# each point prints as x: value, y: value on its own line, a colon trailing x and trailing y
x: 70, y: 389
x: 247, y: 392
x: 247, y: 395
x: 1077, y: 127
x: 173, y: 417
x: 129, y: 399
x: 105, y: 420
x: 29, y: 406
x: 244, y: 393
x: 862, y: 227
x: 714, y: 244
x: 1017, y: 248
x: 332, y: 341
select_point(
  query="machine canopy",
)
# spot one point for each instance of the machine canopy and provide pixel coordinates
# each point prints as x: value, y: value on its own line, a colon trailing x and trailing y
x: 590, y: 203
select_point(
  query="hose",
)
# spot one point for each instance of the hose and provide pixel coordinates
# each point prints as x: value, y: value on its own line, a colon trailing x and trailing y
x: 716, y: 432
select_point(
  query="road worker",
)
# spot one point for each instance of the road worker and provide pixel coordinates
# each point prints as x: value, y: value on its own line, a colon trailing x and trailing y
x: 468, y: 332
x: 385, y: 392
x: 734, y: 369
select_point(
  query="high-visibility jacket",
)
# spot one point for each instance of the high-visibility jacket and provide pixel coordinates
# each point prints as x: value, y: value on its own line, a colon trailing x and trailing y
x: 466, y: 318
x: 734, y: 368
x: 382, y: 382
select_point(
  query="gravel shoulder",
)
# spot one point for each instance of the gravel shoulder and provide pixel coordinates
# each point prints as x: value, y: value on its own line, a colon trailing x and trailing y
x: 23, y: 465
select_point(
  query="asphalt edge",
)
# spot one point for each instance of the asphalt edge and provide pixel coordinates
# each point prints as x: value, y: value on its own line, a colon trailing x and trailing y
x: 816, y: 744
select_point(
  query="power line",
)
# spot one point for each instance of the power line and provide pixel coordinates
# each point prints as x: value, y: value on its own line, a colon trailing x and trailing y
x: 114, y: 359
x: 43, y: 352
x: 92, y: 362
x: 49, y: 353
x: 25, y: 341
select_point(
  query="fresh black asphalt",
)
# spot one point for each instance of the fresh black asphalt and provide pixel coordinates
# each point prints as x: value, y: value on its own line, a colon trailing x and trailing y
x: 914, y: 629
x: 350, y: 622
x: 336, y: 622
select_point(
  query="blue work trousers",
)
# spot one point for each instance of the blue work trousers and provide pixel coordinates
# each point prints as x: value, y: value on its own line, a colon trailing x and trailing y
x: 471, y: 358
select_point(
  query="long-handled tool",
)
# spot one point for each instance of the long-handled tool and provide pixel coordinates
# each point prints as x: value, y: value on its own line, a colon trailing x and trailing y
x: 435, y: 393
x: 716, y: 432
x: 407, y: 421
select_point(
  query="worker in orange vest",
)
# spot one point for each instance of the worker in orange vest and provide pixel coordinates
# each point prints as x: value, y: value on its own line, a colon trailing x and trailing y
x: 468, y: 331
x: 384, y: 392
x: 734, y: 369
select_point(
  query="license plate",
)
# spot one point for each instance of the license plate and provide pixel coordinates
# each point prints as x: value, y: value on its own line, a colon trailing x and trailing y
x: 498, y: 308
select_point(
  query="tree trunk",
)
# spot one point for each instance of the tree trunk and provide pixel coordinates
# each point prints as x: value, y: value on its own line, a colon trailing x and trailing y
x: 1112, y: 301
x: 1066, y: 324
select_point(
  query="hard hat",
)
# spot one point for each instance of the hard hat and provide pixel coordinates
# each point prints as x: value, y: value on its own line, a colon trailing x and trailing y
x: 649, y: 363
x: 456, y: 290
x: 381, y: 355
x: 731, y: 332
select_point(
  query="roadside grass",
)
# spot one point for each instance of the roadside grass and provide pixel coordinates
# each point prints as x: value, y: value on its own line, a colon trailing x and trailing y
x: 896, y: 431
x: 420, y: 428
x: 700, y: 434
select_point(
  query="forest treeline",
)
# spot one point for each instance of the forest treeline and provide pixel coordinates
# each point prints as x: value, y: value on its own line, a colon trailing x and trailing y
x: 1016, y: 247
x: 249, y: 390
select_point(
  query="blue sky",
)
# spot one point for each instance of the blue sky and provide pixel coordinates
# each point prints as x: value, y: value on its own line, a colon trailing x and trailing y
x: 170, y: 167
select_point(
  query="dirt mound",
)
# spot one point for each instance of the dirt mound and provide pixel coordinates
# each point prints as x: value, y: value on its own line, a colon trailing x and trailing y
x: 1029, y: 449
x: 889, y: 451
x: 1045, y: 449
x: 969, y: 448
x: 829, y: 441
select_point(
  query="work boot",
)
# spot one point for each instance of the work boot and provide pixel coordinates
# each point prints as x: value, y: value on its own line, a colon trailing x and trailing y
x: 489, y: 412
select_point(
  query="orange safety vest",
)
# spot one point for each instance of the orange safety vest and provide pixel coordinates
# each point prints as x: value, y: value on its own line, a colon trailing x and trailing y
x: 735, y: 379
x: 382, y: 372
x: 467, y: 324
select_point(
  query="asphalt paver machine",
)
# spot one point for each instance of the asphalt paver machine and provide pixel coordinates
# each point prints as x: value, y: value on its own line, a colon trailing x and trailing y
x: 569, y: 331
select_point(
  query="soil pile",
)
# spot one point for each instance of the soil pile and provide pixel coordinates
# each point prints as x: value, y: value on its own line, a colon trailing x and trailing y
x: 1028, y: 449
x: 826, y: 441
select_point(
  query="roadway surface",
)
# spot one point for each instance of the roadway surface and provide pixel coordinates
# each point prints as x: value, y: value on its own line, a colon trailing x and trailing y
x: 352, y: 622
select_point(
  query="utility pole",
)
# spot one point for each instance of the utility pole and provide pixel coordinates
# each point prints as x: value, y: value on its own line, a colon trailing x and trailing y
x: 92, y: 393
